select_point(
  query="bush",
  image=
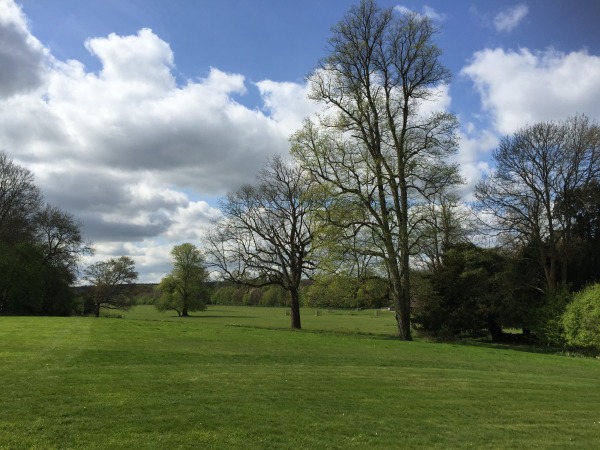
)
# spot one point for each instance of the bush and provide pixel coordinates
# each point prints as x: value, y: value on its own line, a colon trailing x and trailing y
x: 547, y: 324
x: 581, y: 320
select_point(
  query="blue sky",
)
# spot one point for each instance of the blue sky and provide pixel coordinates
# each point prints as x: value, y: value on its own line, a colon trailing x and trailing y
x: 136, y: 115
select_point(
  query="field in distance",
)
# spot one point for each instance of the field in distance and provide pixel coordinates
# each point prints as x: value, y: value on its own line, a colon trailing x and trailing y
x: 235, y: 377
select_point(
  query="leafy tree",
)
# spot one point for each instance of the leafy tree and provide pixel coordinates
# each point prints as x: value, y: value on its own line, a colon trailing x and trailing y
x: 374, y: 150
x: 469, y: 293
x: 184, y: 289
x: 530, y: 194
x: 111, y: 283
x: 265, y: 237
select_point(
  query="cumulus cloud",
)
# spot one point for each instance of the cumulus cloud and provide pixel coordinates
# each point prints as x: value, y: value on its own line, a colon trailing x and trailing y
x: 287, y: 103
x: 22, y: 56
x: 542, y: 86
x: 509, y: 19
x: 127, y: 149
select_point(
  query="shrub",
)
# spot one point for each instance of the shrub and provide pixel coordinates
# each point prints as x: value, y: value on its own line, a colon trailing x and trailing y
x: 581, y: 319
x: 547, y: 324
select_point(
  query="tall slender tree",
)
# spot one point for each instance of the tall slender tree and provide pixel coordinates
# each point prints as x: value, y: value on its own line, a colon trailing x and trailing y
x: 375, y: 147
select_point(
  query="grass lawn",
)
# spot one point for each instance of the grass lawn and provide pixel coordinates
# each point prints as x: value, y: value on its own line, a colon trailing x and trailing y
x: 238, y: 378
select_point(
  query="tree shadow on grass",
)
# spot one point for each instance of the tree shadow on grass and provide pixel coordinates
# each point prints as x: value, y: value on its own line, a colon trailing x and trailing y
x: 225, y: 316
x: 525, y: 347
x: 339, y: 332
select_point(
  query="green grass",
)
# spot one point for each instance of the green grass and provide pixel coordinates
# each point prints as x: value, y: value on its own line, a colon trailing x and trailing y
x: 238, y: 378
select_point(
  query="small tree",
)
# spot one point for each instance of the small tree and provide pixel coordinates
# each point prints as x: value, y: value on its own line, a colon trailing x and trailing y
x: 184, y: 289
x: 111, y: 282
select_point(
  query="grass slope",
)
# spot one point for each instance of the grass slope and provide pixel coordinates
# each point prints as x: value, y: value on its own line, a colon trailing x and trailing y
x: 223, y: 380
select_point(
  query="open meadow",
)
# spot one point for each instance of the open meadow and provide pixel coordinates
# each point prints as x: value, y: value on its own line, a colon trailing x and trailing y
x: 234, y: 377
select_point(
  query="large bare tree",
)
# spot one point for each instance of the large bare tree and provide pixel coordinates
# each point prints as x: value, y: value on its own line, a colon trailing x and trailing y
x: 20, y: 200
x: 530, y: 194
x: 265, y: 236
x: 375, y: 147
x: 61, y: 241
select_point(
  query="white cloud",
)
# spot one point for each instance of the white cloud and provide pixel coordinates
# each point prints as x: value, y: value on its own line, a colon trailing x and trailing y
x: 473, y: 155
x: 287, y: 103
x: 509, y: 19
x: 440, y: 100
x: 427, y: 11
x: 519, y: 88
x: 126, y: 149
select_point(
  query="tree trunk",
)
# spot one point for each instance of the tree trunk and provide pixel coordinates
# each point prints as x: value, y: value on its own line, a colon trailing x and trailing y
x: 295, y: 315
x: 97, y: 310
x: 402, y: 303
x: 184, y: 312
x: 495, y: 329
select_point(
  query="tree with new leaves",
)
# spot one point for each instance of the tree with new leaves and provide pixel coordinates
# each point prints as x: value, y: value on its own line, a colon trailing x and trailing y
x: 111, y: 283
x: 374, y: 148
x: 265, y: 236
x: 184, y: 289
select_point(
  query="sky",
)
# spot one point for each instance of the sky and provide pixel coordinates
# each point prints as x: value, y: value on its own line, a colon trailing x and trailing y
x: 137, y: 116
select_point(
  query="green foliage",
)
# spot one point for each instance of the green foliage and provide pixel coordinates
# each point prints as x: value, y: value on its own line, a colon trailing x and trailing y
x: 581, y: 319
x: 224, y: 295
x: 337, y: 291
x: 29, y: 286
x: 238, y: 295
x: 466, y: 294
x: 184, y: 289
x: 273, y: 296
x: 111, y: 282
x: 547, y: 323
x: 584, y: 256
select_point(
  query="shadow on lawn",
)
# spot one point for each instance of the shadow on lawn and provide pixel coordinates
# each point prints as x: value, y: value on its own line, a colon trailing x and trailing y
x: 526, y: 347
x: 224, y: 316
